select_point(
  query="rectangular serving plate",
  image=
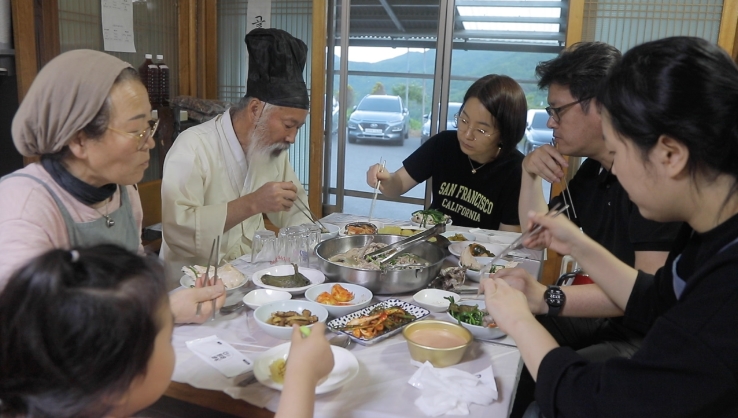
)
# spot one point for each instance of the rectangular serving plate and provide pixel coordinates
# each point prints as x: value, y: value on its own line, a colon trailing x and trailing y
x: 414, y: 310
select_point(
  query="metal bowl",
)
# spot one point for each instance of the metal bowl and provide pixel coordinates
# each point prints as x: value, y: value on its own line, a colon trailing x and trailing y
x: 380, y: 283
x: 438, y: 357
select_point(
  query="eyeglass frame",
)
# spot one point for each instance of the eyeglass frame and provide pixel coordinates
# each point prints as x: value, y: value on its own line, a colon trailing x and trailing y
x: 556, y: 112
x: 142, y: 137
x: 484, y: 133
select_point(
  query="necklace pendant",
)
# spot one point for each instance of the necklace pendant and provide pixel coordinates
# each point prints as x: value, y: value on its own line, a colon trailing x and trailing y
x: 109, y: 222
x: 474, y: 171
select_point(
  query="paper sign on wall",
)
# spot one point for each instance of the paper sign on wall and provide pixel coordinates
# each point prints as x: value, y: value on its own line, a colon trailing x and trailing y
x: 258, y: 14
x: 117, y: 25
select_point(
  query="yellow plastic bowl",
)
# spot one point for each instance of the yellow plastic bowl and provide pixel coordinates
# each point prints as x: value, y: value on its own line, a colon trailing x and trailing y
x: 426, y: 351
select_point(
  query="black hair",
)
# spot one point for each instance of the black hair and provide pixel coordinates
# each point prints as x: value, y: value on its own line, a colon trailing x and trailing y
x: 583, y: 68
x: 76, y: 328
x: 682, y: 87
x: 505, y: 100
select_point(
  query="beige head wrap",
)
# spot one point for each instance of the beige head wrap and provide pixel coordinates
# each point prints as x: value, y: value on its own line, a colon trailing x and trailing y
x: 65, y: 96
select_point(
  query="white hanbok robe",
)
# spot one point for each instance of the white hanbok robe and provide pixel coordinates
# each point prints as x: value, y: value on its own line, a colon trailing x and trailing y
x: 203, y: 171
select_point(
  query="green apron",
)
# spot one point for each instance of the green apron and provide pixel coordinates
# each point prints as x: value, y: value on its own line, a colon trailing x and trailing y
x: 86, y: 234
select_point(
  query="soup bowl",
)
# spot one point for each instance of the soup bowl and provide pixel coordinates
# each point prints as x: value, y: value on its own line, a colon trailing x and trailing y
x: 441, y: 343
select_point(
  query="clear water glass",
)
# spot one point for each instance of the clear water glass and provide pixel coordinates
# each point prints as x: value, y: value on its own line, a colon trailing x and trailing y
x: 263, y: 246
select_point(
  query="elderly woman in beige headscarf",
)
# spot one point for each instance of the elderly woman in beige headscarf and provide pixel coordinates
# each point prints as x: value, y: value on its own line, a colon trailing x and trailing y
x: 87, y: 115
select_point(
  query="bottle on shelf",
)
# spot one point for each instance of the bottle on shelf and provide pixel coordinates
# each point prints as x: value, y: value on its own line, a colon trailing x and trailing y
x: 163, y: 81
x: 143, y: 70
x: 152, y: 84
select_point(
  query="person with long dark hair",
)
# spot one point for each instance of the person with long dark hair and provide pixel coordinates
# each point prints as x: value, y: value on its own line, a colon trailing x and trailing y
x: 475, y: 169
x: 87, y: 333
x: 669, y: 120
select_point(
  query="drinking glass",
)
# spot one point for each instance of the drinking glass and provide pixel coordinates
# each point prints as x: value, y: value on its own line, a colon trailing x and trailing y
x: 313, y: 232
x: 293, y: 246
x: 263, y: 246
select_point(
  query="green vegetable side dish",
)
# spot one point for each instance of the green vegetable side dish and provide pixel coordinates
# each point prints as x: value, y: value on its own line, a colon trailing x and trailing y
x: 469, y: 314
x: 436, y: 216
x: 288, y: 281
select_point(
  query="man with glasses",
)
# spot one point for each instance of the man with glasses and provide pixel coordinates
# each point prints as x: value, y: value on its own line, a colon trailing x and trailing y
x: 221, y: 176
x: 589, y: 322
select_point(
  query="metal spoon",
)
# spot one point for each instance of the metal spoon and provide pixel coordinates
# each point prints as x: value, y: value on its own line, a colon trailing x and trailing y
x: 231, y: 308
x: 340, y: 340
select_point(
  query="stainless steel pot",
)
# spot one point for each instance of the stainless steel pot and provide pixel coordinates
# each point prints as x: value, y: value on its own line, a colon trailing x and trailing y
x: 391, y: 282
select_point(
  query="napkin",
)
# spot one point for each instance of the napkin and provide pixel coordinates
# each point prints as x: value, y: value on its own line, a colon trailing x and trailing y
x: 450, y: 391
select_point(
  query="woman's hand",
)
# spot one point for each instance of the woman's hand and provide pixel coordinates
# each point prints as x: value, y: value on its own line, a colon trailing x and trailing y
x: 557, y: 233
x: 507, y: 305
x: 310, y: 357
x: 376, y: 173
x: 184, y: 302
x: 521, y: 280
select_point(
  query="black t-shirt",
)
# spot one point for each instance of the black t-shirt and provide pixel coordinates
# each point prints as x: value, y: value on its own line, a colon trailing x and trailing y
x: 481, y: 200
x: 606, y: 213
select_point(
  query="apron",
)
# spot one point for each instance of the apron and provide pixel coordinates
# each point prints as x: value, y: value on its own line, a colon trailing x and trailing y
x: 87, y: 234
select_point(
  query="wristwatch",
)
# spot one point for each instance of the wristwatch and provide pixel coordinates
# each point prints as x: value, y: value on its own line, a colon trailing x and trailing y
x: 555, y: 299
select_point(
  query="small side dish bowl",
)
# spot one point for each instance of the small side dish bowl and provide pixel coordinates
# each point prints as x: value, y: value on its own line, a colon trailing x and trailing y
x: 456, y: 236
x: 264, y: 312
x: 332, y: 231
x: 259, y: 297
x: 483, y: 333
x: 362, y: 298
x: 474, y: 275
x: 442, y: 343
x: 315, y: 277
x: 371, y: 228
x: 433, y: 299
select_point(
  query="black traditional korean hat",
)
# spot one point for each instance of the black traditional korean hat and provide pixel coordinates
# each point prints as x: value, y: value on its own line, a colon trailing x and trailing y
x: 276, y: 62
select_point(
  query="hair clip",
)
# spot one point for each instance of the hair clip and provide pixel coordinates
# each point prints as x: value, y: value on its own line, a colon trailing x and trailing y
x: 75, y: 255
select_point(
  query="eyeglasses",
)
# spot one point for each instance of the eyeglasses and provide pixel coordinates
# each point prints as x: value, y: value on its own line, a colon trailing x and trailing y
x: 556, y: 112
x: 463, y: 124
x: 143, y: 136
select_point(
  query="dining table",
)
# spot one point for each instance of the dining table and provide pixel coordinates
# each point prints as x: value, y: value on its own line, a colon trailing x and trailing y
x: 379, y: 389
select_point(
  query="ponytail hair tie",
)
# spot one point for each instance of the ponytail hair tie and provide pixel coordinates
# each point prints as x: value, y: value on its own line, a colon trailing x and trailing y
x: 75, y: 255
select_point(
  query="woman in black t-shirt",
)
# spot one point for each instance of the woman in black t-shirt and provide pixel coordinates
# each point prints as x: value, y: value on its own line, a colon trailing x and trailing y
x: 476, y: 169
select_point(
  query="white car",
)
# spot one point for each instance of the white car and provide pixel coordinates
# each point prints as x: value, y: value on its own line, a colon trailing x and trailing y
x: 453, y: 109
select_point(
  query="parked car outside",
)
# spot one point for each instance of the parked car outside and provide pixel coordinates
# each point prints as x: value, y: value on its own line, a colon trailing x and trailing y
x: 536, y: 133
x: 453, y: 109
x: 379, y: 118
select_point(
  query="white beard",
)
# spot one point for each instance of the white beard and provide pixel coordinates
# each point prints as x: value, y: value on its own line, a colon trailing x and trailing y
x: 257, y: 151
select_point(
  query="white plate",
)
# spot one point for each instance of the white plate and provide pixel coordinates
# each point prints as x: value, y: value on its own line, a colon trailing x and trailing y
x: 315, y: 277
x: 457, y: 248
x: 346, y: 368
x: 187, y: 281
x: 498, y: 237
x: 332, y: 231
x: 362, y: 298
x: 473, y: 275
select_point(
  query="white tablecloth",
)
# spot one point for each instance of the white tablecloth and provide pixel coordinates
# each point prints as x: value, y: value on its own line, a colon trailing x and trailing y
x: 380, y: 389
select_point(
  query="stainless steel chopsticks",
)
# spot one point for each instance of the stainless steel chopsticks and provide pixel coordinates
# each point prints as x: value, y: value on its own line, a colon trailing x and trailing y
x: 554, y: 212
x: 309, y: 214
x: 216, y: 247
x: 376, y: 190
x: 566, y: 191
x: 207, y: 277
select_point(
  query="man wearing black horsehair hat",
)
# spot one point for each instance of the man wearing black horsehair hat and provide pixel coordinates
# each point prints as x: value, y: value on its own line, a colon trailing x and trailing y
x: 220, y: 176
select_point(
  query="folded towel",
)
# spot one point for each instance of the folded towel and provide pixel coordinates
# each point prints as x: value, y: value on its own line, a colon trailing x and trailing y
x: 450, y: 391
